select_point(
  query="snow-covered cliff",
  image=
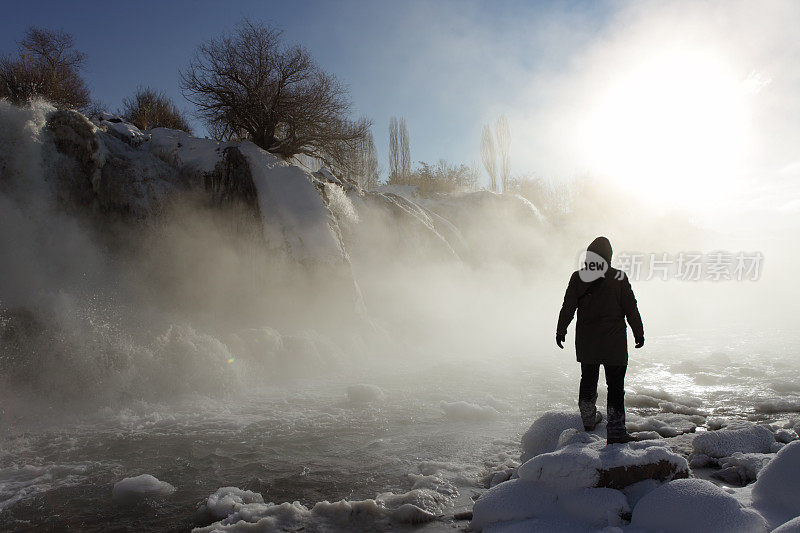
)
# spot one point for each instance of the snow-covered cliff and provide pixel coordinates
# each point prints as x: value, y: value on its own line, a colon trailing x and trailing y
x: 123, y: 237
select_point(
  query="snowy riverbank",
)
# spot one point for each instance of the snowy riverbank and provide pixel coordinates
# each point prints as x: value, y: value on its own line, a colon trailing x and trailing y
x: 570, y: 480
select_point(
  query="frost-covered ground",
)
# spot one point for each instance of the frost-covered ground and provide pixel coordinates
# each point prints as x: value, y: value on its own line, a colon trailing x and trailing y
x: 433, y: 435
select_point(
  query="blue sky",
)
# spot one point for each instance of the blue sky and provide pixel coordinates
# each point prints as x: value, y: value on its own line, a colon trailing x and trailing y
x: 676, y: 100
x: 447, y: 67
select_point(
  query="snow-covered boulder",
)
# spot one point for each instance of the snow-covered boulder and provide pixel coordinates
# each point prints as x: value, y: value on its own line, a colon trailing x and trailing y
x: 467, y: 411
x: 132, y: 489
x: 792, y: 526
x: 498, y: 476
x: 226, y: 500
x: 665, y: 424
x: 364, y: 393
x: 741, y: 468
x: 785, y: 435
x: 124, y: 131
x: 726, y: 442
x: 543, y: 435
x: 240, y: 510
x: 694, y: 505
x: 517, y: 501
x: 777, y: 491
x: 597, y: 507
x: 581, y: 465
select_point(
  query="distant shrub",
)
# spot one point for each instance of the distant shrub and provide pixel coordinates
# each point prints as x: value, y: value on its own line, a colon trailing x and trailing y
x: 554, y: 199
x: 148, y: 109
x: 439, y: 177
x: 47, y: 66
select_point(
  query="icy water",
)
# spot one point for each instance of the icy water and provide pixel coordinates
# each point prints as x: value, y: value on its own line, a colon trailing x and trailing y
x: 306, y: 441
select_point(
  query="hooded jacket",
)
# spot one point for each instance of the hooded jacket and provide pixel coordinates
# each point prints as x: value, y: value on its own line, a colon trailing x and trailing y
x: 603, y: 305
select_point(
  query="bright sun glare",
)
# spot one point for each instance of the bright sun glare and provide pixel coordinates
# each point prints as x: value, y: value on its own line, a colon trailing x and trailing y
x: 671, y: 128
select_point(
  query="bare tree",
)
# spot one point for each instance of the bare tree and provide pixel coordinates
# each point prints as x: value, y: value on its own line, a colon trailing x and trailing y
x: 399, y: 152
x: 247, y: 84
x: 405, y: 151
x: 364, y: 167
x: 394, y: 151
x: 503, y: 135
x: 369, y: 163
x: 47, y: 66
x: 148, y: 109
x: 489, y: 156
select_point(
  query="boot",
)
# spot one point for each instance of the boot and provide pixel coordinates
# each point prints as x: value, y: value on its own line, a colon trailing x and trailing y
x: 622, y: 439
x: 616, y: 433
x: 589, y: 414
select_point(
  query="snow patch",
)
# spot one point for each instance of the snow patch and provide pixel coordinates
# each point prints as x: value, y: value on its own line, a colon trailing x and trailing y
x: 133, y: 489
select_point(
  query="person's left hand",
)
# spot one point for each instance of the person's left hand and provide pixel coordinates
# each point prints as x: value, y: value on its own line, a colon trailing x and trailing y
x: 560, y: 340
x: 639, y: 342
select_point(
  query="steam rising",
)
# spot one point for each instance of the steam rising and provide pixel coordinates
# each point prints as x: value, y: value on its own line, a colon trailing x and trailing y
x: 98, y: 307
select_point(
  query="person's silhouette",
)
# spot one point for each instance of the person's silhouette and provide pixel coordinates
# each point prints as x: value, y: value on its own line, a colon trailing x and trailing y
x: 603, y: 298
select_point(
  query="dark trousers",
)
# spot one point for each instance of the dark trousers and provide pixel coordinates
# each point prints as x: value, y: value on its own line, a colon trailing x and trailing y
x: 615, y: 379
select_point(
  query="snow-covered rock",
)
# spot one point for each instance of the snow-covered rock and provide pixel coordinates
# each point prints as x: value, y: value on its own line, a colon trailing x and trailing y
x: 665, y: 424
x: 239, y: 510
x: 227, y: 500
x: 726, y: 442
x: 597, y: 507
x: 543, y: 435
x: 582, y: 465
x: 741, y: 468
x: 498, y: 476
x: 518, y: 501
x: 363, y: 393
x: 694, y: 505
x: 122, y: 130
x: 639, y: 490
x: 785, y: 435
x: 133, y: 489
x: 792, y: 526
x: 462, y: 410
x: 778, y: 405
x: 777, y: 491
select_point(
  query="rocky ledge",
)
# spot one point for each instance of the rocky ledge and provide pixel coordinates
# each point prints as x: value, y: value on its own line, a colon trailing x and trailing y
x: 741, y: 476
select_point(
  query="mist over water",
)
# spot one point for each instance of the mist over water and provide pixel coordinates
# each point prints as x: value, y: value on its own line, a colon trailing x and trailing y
x: 181, y: 346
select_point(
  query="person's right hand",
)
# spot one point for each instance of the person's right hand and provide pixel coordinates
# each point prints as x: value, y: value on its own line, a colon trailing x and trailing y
x: 639, y: 342
x: 560, y: 339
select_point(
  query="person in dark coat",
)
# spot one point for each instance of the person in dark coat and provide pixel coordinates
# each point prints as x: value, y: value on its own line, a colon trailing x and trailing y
x: 603, y: 297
